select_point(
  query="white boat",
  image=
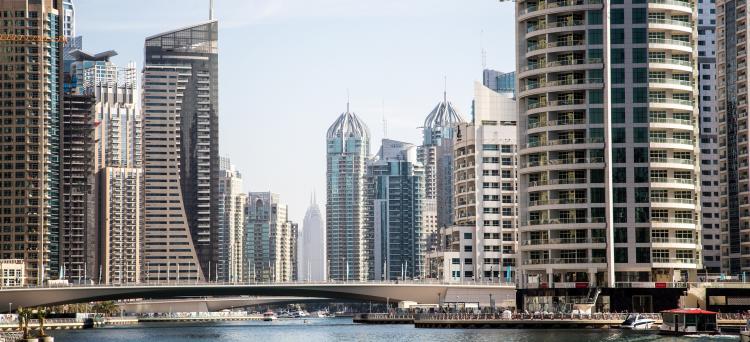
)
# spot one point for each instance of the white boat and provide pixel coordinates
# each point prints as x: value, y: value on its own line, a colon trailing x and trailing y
x: 321, y: 314
x: 269, y: 316
x: 300, y: 314
x: 637, y: 322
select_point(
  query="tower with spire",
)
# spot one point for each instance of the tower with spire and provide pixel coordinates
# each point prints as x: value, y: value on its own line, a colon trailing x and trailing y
x: 311, y: 254
x: 436, y: 154
x: 349, y: 238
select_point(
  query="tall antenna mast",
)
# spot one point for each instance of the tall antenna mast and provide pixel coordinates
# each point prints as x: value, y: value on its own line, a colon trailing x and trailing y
x: 484, y: 52
x: 347, y: 100
x: 211, y: 10
x: 445, y: 88
x: 385, y: 123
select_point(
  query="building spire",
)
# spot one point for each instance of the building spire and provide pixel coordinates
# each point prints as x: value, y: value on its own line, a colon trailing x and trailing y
x: 347, y: 100
x: 211, y: 10
x: 445, y: 89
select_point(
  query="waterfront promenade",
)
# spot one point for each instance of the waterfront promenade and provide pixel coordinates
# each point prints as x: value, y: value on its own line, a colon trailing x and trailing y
x: 729, y: 322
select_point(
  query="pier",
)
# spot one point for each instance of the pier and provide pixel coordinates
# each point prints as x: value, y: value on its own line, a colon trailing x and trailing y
x: 726, y: 322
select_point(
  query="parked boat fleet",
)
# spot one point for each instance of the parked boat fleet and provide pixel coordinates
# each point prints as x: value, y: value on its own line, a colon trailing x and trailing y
x: 272, y: 316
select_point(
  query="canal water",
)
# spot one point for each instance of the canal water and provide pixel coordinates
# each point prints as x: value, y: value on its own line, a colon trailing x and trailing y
x: 342, y: 329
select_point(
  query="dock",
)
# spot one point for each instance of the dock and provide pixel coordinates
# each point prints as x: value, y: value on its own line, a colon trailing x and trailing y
x: 498, y: 321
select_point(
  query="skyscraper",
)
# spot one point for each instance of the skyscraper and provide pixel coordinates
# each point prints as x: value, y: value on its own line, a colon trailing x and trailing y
x: 78, y: 199
x: 396, y: 189
x: 709, y: 137
x: 30, y: 138
x: 117, y: 164
x: 608, y: 139
x: 69, y: 18
x: 482, y: 245
x: 270, y: 239
x: 731, y: 66
x: 232, y: 201
x: 349, y: 237
x: 184, y: 129
x: 311, y: 258
x: 436, y: 154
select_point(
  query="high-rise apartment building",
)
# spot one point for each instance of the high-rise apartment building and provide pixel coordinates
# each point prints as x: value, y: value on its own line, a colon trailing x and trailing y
x: 167, y: 235
x: 608, y: 139
x: 78, y: 200
x: 732, y: 82
x: 69, y: 18
x: 31, y: 108
x: 232, y: 201
x: 436, y: 155
x: 396, y: 191
x: 270, y: 239
x: 181, y: 131
x: 709, y: 137
x: 311, y: 251
x: 349, y: 237
x: 483, y: 243
x: 117, y: 165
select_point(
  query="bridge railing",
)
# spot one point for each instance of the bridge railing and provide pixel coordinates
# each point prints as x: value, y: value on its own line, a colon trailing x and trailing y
x: 165, y: 283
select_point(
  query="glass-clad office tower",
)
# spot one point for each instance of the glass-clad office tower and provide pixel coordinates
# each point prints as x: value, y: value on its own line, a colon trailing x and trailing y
x: 349, y: 236
x: 180, y: 101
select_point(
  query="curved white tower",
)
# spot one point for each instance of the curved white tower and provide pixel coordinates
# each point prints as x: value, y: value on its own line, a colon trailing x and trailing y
x: 608, y: 138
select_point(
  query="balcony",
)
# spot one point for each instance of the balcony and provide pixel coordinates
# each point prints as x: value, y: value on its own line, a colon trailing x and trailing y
x: 558, y: 4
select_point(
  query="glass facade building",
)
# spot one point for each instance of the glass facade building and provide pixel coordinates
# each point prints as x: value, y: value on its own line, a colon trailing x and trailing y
x: 349, y: 236
x: 192, y: 53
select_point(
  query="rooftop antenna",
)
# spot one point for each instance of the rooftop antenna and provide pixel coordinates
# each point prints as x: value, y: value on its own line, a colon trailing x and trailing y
x: 385, y: 123
x: 347, y: 100
x: 484, y: 52
x: 211, y: 10
x: 445, y: 88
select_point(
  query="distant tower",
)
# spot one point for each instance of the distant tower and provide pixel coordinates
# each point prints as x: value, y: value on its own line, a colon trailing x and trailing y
x: 396, y: 189
x: 436, y: 154
x: 312, y: 241
x: 348, y: 236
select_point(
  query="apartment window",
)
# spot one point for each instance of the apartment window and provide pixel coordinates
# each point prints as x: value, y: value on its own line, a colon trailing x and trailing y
x: 640, y: 55
x: 642, y: 255
x: 618, y: 16
x: 620, y: 195
x: 595, y: 36
x: 619, y: 155
x: 618, y: 95
x: 595, y: 17
x: 621, y: 235
x: 618, y: 36
x: 639, y: 16
x: 467, y: 236
x: 618, y: 115
x: 618, y: 76
x: 620, y: 215
x: 621, y: 255
x: 618, y: 56
x: 639, y: 34
x: 619, y: 175
x: 618, y: 135
x: 641, y: 195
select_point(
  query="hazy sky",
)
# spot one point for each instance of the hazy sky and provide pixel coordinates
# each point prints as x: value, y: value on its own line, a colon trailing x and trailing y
x: 285, y: 67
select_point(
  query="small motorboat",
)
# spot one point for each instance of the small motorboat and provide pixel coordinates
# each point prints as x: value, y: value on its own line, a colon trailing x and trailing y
x: 637, y: 322
x: 269, y: 316
x: 682, y: 322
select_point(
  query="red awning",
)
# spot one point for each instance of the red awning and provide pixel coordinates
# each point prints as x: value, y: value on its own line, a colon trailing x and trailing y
x: 690, y: 312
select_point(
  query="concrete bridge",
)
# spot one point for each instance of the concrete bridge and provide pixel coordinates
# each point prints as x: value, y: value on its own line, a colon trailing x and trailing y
x: 209, y: 304
x: 420, y: 292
